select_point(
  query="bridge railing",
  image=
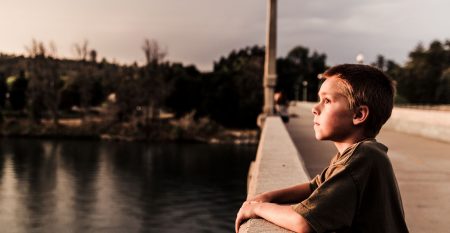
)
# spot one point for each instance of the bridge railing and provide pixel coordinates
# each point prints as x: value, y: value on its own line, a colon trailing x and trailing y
x: 277, y: 165
x: 432, y: 124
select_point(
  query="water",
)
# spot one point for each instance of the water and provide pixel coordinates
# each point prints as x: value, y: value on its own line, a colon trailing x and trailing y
x: 85, y: 186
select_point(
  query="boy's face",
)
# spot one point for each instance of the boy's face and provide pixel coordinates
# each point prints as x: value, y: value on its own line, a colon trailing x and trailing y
x: 333, y: 118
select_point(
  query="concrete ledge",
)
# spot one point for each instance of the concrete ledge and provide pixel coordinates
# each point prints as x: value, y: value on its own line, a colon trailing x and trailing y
x: 277, y: 165
x: 426, y: 123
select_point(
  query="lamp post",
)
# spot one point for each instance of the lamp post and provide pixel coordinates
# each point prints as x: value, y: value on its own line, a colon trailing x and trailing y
x: 270, y: 72
x: 305, y: 90
x: 296, y: 90
x: 320, y: 78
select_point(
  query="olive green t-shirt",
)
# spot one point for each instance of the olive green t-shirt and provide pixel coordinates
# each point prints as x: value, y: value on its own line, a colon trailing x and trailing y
x: 357, y: 192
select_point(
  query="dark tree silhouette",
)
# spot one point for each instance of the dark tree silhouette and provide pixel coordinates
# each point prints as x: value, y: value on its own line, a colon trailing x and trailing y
x: 18, y: 90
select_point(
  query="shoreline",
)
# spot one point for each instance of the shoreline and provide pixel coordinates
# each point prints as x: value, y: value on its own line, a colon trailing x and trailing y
x: 159, y: 132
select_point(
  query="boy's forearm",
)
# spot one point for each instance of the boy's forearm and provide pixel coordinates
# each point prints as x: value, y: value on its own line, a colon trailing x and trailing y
x: 293, y: 194
x: 283, y: 216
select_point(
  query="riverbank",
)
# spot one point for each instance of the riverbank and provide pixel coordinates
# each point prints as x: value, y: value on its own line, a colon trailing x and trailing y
x: 180, y: 130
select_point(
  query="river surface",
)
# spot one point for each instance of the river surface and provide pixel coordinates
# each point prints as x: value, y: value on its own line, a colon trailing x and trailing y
x: 95, y: 186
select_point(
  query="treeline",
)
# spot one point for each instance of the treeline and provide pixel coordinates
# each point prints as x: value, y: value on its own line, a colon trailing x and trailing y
x: 425, y: 78
x: 41, y: 86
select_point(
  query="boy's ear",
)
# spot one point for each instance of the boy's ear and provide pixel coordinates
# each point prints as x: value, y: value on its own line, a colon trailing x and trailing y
x: 360, y: 115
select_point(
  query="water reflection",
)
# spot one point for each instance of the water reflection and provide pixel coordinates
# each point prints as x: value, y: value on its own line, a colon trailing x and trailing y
x: 83, y: 186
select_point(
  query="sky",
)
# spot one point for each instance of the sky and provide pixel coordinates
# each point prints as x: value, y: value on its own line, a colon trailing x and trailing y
x: 199, y: 32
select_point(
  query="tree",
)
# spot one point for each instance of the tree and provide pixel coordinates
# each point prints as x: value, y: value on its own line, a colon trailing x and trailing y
x: 81, y: 50
x: 3, y: 91
x: 93, y: 56
x: 396, y: 72
x: 298, y: 66
x: 17, y: 94
x: 380, y: 62
x: 233, y: 92
x: 85, y: 80
x: 37, y: 49
x: 154, y: 86
x: 153, y: 52
x: 443, y: 90
x: 45, y: 84
x: 423, y: 74
x: 186, y: 95
x: 128, y: 94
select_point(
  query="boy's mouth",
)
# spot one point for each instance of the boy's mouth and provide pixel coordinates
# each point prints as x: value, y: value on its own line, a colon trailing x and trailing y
x: 316, y: 123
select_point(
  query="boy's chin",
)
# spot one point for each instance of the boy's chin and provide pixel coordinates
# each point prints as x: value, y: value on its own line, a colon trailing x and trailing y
x: 321, y: 137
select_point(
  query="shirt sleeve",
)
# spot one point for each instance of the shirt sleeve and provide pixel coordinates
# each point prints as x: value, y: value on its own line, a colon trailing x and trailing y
x: 332, y: 205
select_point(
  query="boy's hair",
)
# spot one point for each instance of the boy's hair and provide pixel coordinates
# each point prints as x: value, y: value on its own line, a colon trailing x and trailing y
x: 366, y: 85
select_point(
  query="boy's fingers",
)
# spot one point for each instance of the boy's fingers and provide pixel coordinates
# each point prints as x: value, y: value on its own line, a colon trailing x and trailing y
x: 236, y: 226
x: 237, y: 222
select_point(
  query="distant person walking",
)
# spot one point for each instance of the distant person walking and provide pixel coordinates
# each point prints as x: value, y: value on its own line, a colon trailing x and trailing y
x: 282, y: 106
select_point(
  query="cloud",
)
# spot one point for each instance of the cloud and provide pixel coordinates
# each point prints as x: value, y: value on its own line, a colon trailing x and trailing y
x: 344, y: 28
x: 200, y: 31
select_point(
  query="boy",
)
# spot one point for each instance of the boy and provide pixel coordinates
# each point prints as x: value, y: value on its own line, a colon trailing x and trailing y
x: 358, y: 191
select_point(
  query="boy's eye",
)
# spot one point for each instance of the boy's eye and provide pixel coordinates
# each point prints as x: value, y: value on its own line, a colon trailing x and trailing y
x: 327, y: 101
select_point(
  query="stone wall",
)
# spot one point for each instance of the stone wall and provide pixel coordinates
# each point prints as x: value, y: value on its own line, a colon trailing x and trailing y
x: 426, y: 123
x: 277, y: 165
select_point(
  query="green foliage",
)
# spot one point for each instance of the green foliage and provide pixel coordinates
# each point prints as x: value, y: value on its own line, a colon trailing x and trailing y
x: 424, y: 79
x: 443, y: 90
x: 186, y: 94
x: 70, y: 95
x: 188, y: 127
x: 128, y: 98
x: 17, y: 94
x: 233, y: 92
x: 297, y: 67
x: 43, y: 86
x: 3, y: 90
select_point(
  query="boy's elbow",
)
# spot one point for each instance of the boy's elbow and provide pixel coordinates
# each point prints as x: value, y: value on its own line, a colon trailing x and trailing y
x: 302, y: 226
x: 304, y: 230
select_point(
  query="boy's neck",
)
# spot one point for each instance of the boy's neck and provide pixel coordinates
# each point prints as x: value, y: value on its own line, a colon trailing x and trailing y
x: 342, y: 145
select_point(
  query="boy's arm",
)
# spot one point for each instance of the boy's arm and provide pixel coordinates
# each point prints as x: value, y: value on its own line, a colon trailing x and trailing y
x: 283, y: 216
x: 293, y: 194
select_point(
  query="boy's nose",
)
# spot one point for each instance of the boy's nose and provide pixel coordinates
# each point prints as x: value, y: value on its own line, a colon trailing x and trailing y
x: 315, y: 110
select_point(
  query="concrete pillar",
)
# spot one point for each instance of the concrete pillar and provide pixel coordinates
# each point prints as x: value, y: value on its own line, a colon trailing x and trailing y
x: 270, y: 71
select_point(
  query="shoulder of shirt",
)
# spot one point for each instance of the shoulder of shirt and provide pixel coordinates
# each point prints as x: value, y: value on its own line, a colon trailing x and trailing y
x: 369, y: 151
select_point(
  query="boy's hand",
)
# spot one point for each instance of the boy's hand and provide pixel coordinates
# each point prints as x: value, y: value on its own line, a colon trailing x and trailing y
x: 247, y: 211
x: 260, y: 198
